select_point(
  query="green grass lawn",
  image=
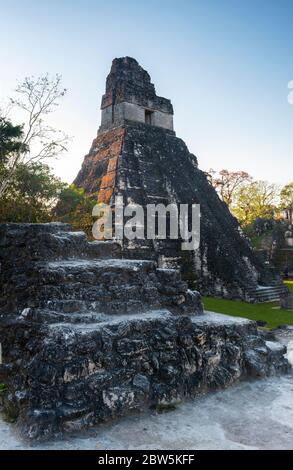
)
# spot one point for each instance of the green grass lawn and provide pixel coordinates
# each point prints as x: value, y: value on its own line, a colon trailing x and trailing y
x: 268, y: 312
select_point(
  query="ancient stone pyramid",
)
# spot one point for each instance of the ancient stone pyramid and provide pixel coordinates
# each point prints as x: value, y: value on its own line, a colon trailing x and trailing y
x: 87, y: 334
x: 137, y: 155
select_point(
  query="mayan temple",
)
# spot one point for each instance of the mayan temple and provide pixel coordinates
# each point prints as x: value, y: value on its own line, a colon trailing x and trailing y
x: 137, y: 155
x: 91, y: 331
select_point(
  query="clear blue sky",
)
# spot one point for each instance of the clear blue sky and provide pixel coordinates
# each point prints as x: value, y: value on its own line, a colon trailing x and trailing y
x: 225, y: 64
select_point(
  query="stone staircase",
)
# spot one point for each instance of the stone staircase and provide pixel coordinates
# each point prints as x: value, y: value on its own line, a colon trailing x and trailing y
x: 59, y: 269
x: 87, y: 336
x: 268, y: 293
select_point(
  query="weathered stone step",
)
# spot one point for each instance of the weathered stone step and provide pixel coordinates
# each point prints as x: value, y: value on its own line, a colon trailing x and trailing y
x: 112, y: 285
x: 88, y: 320
x: 277, y: 288
x: 17, y: 232
x: 107, y: 305
x: 268, y: 294
x: 271, y: 291
x: 53, y: 242
x: 103, y: 320
x: 69, y: 306
x: 97, y: 272
x: 73, y: 244
x: 78, y: 266
x: 58, y: 316
x: 268, y: 298
x: 100, y: 292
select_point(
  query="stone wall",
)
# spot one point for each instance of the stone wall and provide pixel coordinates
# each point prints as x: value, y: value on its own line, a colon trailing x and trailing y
x: 129, y: 82
x: 129, y: 93
x: 117, y: 115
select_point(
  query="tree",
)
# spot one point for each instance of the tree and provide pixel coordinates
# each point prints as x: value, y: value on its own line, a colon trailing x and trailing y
x: 286, y: 200
x: 257, y: 199
x: 75, y: 207
x: 32, y: 194
x: 227, y: 183
x: 10, y: 146
x: 10, y: 140
x: 286, y: 196
x: 36, y: 99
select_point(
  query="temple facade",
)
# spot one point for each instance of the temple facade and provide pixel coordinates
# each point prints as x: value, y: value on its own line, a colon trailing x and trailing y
x: 123, y: 102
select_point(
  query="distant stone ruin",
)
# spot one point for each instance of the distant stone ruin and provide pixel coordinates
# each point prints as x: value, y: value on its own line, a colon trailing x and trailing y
x: 136, y: 155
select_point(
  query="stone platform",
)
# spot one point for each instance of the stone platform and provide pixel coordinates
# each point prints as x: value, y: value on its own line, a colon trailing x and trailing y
x: 87, y: 336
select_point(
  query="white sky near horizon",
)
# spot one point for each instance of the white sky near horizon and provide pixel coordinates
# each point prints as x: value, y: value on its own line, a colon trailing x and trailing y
x: 225, y: 66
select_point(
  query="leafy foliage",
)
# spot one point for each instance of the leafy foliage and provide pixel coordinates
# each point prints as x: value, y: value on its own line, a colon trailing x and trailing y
x: 286, y: 197
x: 75, y: 207
x: 10, y: 140
x: 32, y: 194
x: 256, y: 200
x: 10, y: 146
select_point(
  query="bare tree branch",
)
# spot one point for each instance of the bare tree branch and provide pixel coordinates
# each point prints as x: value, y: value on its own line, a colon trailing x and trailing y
x: 227, y: 183
x: 37, y: 98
